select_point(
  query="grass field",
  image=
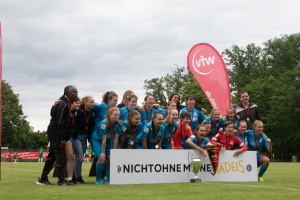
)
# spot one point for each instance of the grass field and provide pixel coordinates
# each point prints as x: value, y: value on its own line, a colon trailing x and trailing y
x: 281, y: 181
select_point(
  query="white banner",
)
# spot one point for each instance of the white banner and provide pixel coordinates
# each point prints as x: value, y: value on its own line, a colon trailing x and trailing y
x: 132, y: 166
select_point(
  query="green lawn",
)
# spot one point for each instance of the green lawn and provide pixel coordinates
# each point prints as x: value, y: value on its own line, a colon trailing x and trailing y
x: 281, y: 181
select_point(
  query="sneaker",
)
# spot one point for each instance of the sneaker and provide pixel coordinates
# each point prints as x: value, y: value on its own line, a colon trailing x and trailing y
x: 70, y: 183
x: 107, y: 182
x: 65, y: 183
x: 41, y: 181
x: 260, y: 179
x: 80, y: 180
x: 98, y: 182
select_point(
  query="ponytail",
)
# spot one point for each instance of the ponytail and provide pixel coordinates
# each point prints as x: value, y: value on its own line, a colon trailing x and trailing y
x: 83, y: 100
x: 124, y: 99
x: 108, y: 96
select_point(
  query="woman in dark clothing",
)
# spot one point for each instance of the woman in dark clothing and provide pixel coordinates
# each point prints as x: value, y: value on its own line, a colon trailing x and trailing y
x: 85, y: 124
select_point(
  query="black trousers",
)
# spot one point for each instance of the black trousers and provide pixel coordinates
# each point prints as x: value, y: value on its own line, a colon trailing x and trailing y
x: 55, y: 154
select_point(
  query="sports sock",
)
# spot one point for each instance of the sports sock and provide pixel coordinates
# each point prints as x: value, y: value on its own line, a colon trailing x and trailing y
x: 108, y: 172
x: 262, y: 170
x: 99, y: 169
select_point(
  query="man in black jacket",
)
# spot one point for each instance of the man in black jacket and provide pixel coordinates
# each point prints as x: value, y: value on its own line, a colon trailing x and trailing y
x: 247, y: 111
x: 57, y: 129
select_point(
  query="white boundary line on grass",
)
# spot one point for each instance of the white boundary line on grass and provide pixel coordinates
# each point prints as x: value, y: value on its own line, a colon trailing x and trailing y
x: 259, y: 186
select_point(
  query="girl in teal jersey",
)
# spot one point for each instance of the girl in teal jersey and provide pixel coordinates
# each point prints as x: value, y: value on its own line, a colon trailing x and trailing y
x: 109, y: 99
x: 130, y: 129
x: 196, y: 115
x: 131, y: 103
x: 198, y: 141
x: 104, y: 139
x: 124, y: 99
x: 208, y: 127
x: 231, y: 116
x: 241, y: 133
x: 152, y: 134
x: 216, y: 123
x: 256, y: 140
x: 149, y: 110
x: 171, y: 126
x: 165, y: 111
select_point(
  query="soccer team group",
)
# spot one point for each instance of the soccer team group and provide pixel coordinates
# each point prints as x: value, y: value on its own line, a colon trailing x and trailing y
x: 128, y: 126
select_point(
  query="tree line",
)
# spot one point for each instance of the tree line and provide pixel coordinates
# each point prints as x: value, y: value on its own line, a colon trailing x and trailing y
x: 271, y: 75
x: 16, y: 133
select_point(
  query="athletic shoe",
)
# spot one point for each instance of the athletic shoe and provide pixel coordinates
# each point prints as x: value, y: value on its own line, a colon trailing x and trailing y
x: 260, y: 179
x: 107, y: 182
x: 80, y: 180
x: 70, y: 183
x: 65, y: 183
x: 98, y: 183
x: 74, y: 179
x: 41, y: 181
x: 102, y: 180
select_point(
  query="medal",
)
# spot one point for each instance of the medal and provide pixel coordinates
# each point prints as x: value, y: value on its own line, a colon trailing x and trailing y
x: 156, y: 146
x: 172, y: 142
x: 148, y: 119
x: 247, y: 111
x: 86, y: 127
x: 256, y: 152
x: 131, y: 143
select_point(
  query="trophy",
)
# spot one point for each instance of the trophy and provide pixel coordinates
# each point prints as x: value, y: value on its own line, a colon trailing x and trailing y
x: 196, y: 167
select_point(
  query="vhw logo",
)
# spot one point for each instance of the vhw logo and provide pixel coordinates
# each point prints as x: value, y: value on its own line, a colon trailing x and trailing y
x: 200, y: 61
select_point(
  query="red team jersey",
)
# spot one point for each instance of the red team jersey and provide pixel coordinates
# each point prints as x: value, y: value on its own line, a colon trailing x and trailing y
x: 181, y: 133
x: 228, y: 141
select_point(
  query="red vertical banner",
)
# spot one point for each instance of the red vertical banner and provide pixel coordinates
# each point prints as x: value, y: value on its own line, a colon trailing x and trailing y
x: 0, y: 95
x: 209, y: 69
x: 0, y: 84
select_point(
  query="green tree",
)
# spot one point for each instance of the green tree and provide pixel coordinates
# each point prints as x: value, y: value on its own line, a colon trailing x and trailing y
x: 282, y: 53
x: 192, y: 88
x: 15, y: 128
x: 182, y: 82
x: 271, y: 75
x: 162, y: 88
x: 246, y: 64
x: 38, y: 139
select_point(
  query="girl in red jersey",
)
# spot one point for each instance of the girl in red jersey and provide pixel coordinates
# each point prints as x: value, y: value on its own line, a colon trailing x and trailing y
x: 183, y: 131
x: 228, y: 140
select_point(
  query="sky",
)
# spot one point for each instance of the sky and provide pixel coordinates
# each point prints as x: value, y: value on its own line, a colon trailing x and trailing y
x: 115, y: 45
